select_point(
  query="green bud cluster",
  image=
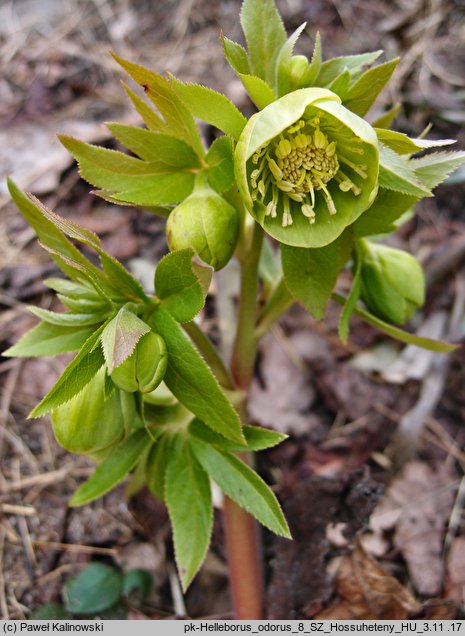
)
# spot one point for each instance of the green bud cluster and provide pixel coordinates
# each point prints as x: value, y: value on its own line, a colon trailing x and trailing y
x: 393, y: 284
x: 145, y: 368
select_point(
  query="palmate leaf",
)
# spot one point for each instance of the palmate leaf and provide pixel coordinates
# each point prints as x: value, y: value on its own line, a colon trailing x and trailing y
x: 386, y: 209
x: 189, y: 503
x: 210, y: 106
x: 368, y: 86
x: 113, y: 469
x: 330, y: 69
x: 257, y: 438
x: 67, y: 319
x: 132, y: 180
x: 75, y: 377
x: 46, y: 230
x: 404, y: 145
x: 165, y: 153
x: 396, y: 333
x: 265, y: 35
x: 181, y: 283
x: 148, y: 115
x: 283, y: 80
x: 120, y: 337
x: 396, y: 173
x: 45, y: 340
x: 260, y: 92
x: 311, y: 274
x: 159, y: 90
x: 433, y: 169
x: 236, y: 55
x: 189, y: 378
x: 220, y: 159
x: 242, y: 485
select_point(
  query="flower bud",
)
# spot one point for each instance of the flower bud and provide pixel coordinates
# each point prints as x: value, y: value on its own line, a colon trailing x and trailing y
x: 90, y: 421
x: 393, y: 284
x: 205, y: 222
x: 145, y: 368
x: 299, y: 68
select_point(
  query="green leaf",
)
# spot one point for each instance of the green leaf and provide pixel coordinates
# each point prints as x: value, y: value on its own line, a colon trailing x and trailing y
x: 404, y: 145
x: 149, y: 191
x: 189, y: 378
x: 157, y: 463
x: 341, y: 85
x: 349, y: 306
x: 257, y: 438
x: 122, y: 282
x: 397, y: 173
x: 113, y: 469
x: 97, y: 587
x: 181, y: 283
x: 366, y: 89
x: 311, y: 274
x: 49, y: 340
x: 50, y: 611
x: 161, y: 93
x: 432, y: 169
x: 220, y: 160
x: 270, y: 267
x: 79, y: 372
x: 387, y: 118
x: 284, y: 81
x: 149, y: 116
x: 210, y: 106
x: 136, y: 585
x: 120, y: 336
x: 399, y: 334
x: 330, y: 69
x: 133, y: 180
x: 165, y: 153
x: 242, y: 485
x: 260, y: 92
x: 38, y: 216
x: 188, y: 498
x: 67, y: 319
x: 265, y: 35
x: 235, y: 55
x: 387, y: 208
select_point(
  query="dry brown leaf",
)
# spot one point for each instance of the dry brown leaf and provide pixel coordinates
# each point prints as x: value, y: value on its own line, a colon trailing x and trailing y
x: 366, y: 592
x: 418, y: 505
x: 455, y: 584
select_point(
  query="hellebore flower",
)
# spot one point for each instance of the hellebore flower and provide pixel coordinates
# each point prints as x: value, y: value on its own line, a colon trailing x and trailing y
x: 393, y: 284
x: 307, y: 167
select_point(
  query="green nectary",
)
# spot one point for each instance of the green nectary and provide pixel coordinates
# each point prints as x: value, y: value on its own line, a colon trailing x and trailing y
x: 393, y: 284
x: 205, y: 222
x: 307, y: 167
x: 90, y: 421
x: 145, y: 369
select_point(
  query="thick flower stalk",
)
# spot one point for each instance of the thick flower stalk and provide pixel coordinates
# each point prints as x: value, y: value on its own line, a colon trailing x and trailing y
x: 307, y: 167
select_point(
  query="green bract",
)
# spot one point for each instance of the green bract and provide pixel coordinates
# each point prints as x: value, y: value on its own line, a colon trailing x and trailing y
x: 145, y: 368
x: 307, y: 167
x: 90, y: 421
x: 393, y: 284
x: 205, y: 222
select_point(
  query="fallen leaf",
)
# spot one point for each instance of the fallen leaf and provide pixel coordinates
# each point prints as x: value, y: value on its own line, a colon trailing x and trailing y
x: 455, y: 582
x: 418, y: 505
x: 366, y: 592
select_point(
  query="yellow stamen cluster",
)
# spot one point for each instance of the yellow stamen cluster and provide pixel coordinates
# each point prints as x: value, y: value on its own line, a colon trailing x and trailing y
x: 299, y: 162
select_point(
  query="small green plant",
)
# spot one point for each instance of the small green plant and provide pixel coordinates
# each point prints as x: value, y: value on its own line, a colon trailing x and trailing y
x: 147, y: 393
x: 98, y: 591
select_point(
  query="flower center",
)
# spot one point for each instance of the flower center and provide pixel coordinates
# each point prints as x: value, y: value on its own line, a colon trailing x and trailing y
x: 301, y: 161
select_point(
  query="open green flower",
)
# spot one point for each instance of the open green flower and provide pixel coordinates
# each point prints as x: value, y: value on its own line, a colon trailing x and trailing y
x: 307, y: 167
